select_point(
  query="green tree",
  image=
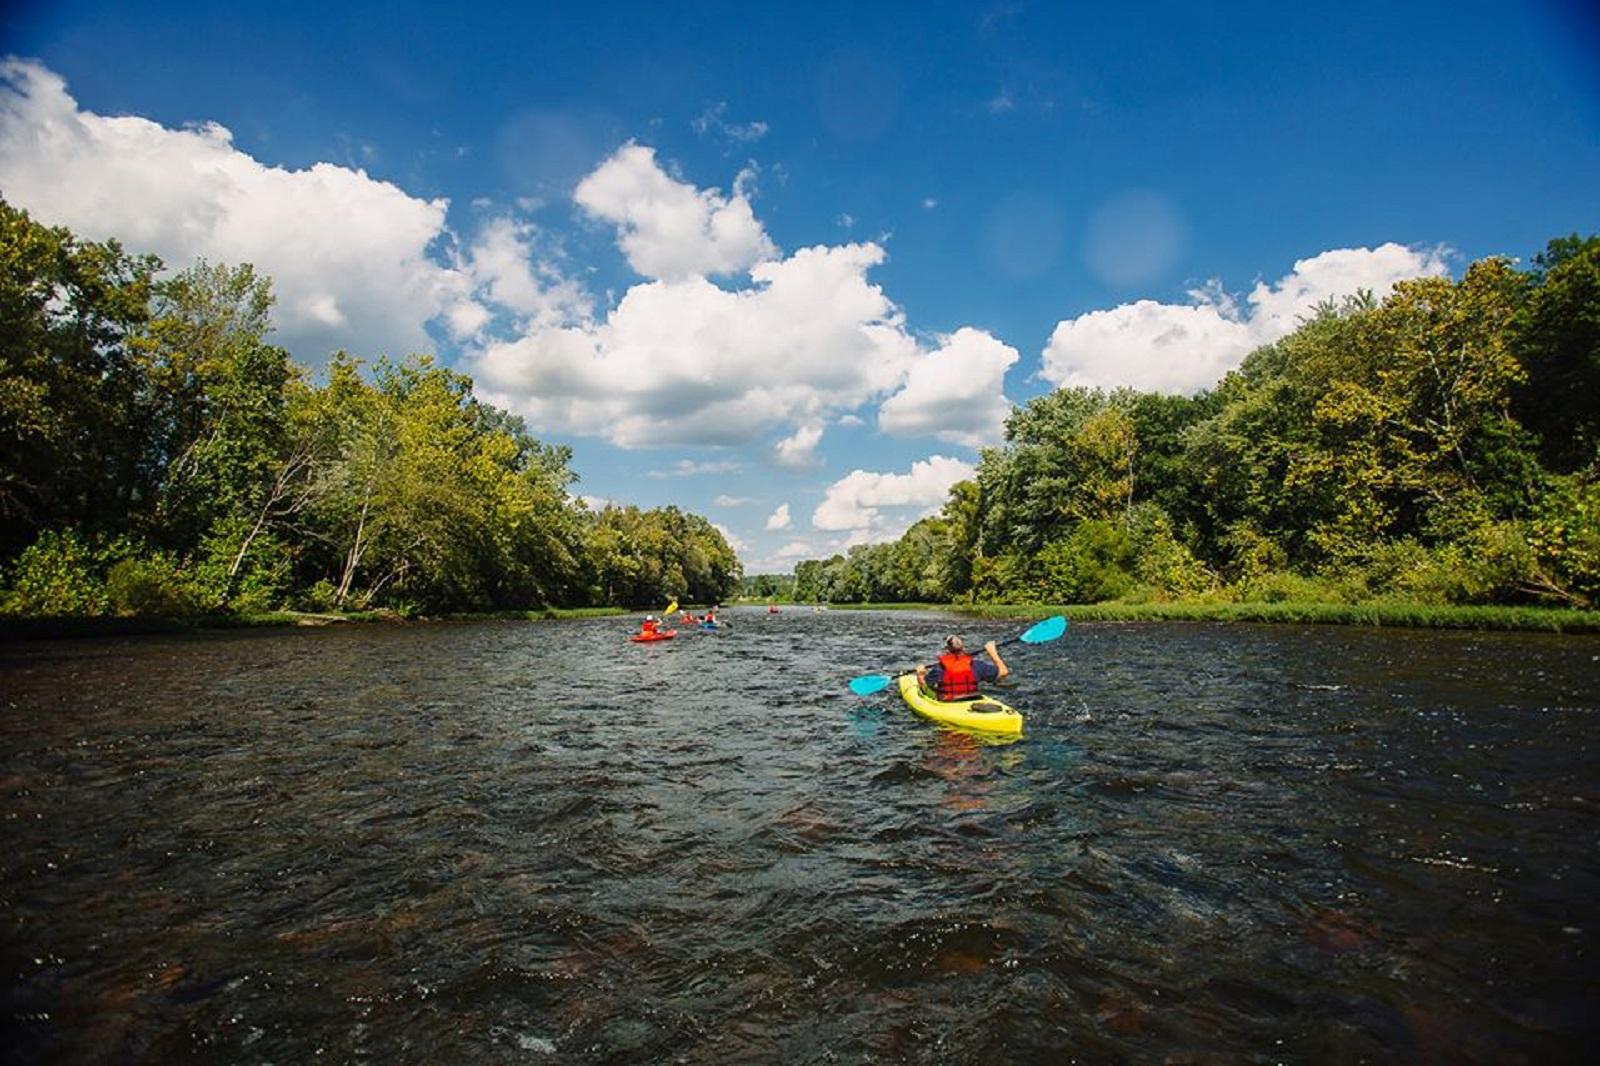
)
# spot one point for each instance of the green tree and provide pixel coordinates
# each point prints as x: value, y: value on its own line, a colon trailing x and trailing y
x: 1092, y: 563
x: 962, y: 517
x: 421, y: 496
x: 645, y: 558
x: 219, y: 421
x: 808, y: 581
x: 1399, y: 435
x: 74, y: 396
x: 1556, y: 335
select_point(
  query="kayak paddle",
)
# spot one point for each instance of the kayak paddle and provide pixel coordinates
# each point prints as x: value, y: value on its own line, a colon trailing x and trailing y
x: 1038, y: 633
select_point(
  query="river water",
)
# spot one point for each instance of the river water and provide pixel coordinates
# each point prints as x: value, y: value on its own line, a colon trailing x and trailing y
x: 536, y: 842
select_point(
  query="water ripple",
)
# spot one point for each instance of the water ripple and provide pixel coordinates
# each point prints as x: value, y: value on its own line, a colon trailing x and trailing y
x: 506, y: 841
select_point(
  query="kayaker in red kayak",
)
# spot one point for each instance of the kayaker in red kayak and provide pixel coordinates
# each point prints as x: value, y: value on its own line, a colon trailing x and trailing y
x: 957, y: 675
x: 648, y: 627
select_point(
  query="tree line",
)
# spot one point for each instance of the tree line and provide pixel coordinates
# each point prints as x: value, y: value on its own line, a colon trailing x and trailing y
x: 767, y: 587
x: 1439, y: 447
x: 158, y: 455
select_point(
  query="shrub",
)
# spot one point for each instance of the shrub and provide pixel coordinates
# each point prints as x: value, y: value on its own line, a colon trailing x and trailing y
x: 1407, y: 571
x: 151, y: 584
x: 262, y: 579
x: 59, y: 574
x: 1251, y: 553
x: 1284, y: 586
x: 1565, y: 540
x: 1006, y: 578
x: 319, y: 597
x: 1164, y: 566
x: 1092, y: 563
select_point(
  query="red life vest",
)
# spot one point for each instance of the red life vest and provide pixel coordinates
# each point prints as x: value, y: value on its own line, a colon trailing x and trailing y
x: 957, y: 682
x: 647, y: 628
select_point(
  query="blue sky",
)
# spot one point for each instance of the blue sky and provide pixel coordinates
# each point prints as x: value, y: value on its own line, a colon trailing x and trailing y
x: 788, y: 266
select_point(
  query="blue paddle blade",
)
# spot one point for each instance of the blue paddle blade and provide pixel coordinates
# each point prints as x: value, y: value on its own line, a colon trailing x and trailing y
x: 867, y: 685
x: 1049, y: 629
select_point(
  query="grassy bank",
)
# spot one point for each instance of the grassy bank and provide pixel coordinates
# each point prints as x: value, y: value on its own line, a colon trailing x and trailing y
x: 20, y: 628
x: 51, y: 627
x: 1416, y: 616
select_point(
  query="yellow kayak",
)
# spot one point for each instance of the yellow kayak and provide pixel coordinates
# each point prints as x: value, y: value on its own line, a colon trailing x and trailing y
x: 980, y: 712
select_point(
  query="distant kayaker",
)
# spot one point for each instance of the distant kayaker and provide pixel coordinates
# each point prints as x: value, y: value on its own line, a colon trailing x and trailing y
x: 647, y: 628
x: 957, y: 675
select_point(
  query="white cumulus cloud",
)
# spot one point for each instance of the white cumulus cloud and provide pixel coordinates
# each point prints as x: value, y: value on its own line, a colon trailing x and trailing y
x: 692, y: 468
x: 1277, y: 309
x: 669, y: 229
x: 1183, y: 348
x: 857, y: 500
x: 1150, y: 346
x: 954, y: 392
x: 798, y: 451
x: 739, y: 547
x: 680, y: 359
x: 778, y: 519
x: 510, y: 272
x: 347, y: 254
x: 783, y: 559
x: 679, y: 362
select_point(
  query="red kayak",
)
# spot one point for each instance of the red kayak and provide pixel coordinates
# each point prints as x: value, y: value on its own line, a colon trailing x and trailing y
x: 647, y: 638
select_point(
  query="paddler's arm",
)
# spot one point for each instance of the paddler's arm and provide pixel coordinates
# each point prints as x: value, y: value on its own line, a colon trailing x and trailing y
x: 993, y: 652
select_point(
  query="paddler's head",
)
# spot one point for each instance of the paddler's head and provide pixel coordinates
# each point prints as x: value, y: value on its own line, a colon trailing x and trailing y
x: 954, y: 644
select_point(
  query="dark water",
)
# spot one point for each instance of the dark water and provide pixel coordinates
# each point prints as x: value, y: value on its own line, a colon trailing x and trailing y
x: 536, y: 842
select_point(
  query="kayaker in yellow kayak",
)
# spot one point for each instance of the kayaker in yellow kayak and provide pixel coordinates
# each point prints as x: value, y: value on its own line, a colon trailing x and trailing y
x: 957, y: 675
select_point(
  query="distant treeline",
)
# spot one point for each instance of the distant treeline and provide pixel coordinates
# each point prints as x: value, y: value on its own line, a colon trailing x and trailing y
x: 767, y: 587
x: 159, y: 456
x: 1439, y: 447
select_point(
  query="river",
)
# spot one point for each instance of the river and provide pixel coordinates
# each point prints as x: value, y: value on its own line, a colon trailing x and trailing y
x: 537, y: 842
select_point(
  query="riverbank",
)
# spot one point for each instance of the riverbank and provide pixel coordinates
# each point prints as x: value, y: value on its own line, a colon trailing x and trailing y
x: 1409, y: 616
x: 53, y: 628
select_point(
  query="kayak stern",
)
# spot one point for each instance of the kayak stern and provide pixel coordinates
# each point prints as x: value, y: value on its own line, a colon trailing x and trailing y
x: 982, y: 713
